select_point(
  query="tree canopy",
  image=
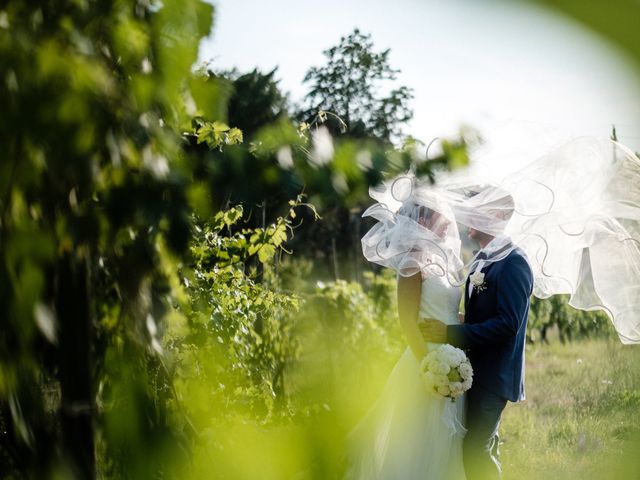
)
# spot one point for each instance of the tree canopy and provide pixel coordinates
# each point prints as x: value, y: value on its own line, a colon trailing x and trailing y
x: 356, y: 84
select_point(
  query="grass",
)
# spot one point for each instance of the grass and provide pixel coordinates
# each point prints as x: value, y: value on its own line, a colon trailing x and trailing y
x: 581, y: 419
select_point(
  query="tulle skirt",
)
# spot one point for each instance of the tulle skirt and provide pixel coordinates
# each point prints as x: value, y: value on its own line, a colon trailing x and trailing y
x: 409, y: 433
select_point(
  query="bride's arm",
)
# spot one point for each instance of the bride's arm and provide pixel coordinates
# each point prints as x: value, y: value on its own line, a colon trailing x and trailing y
x: 409, y: 291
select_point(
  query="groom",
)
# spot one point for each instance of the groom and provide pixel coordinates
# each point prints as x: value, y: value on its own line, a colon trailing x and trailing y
x: 493, y: 334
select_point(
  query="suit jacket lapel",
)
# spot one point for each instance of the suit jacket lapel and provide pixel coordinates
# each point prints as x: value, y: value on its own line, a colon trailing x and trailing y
x: 466, y: 295
x: 469, y: 299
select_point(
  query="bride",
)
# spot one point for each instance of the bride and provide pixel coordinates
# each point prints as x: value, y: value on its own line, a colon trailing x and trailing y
x: 411, y: 433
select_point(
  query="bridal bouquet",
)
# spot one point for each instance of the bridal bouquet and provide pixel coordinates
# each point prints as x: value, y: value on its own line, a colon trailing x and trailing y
x: 447, y: 371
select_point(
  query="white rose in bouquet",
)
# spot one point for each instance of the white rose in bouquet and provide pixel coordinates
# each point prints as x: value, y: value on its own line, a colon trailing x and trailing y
x: 447, y: 371
x: 467, y: 384
x: 451, y: 359
x: 466, y: 372
x: 444, y: 390
x: 441, y: 380
x: 457, y: 389
x: 454, y: 355
x: 441, y: 368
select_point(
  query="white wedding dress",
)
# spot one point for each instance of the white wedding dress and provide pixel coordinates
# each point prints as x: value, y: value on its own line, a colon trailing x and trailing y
x: 410, y: 433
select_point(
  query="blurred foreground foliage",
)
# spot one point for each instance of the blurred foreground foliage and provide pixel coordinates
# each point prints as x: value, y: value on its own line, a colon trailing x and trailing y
x: 94, y: 190
x: 614, y: 20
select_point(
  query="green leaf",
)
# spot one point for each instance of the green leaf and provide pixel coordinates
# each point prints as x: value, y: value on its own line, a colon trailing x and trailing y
x: 266, y: 252
x: 220, y: 127
x: 232, y: 215
x: 234, y: 136
x: 279, y: 234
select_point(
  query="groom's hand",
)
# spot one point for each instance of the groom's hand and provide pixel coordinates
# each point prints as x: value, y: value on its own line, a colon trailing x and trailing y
x: 433, y: 330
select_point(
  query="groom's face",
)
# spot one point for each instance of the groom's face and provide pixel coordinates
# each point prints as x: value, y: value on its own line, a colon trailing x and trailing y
x: 478, y: 236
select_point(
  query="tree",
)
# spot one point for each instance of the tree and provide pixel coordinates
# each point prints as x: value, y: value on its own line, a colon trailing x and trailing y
x: 256, y: 101
x: 349, y: 86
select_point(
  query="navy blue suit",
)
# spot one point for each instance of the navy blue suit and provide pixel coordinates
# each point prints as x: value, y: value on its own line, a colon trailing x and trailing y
x: 494, y: 337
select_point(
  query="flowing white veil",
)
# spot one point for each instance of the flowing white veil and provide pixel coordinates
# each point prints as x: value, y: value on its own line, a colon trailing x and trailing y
x: 575, y: 213
x: 416, y: 230
x: 578, y: 218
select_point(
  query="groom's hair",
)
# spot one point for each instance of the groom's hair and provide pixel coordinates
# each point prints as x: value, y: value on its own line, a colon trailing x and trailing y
x: 499, y: 204
x: 503, y: 204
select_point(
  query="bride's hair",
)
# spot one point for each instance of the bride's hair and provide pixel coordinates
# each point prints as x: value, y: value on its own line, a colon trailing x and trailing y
x: 415, y: 211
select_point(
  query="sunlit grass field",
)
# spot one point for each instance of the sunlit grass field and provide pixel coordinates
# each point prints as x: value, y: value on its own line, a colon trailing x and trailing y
x: 581, y: 419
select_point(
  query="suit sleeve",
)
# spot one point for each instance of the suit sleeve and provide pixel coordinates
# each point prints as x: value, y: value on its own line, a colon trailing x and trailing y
x: 514, y: 285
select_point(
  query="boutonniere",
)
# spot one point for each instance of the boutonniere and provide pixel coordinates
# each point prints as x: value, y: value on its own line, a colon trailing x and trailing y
x: 477, y: 281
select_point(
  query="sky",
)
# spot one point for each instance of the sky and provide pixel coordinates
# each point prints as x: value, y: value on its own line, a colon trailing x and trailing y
x: 525, y: 78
